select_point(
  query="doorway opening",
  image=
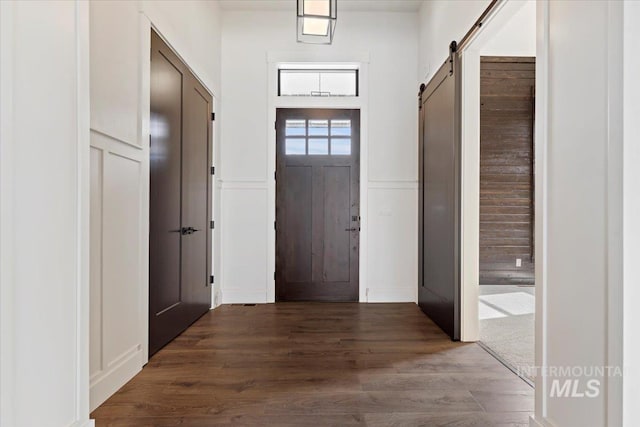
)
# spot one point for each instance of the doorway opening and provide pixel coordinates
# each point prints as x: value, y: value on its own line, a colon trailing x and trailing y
x: 317, y: 204
x: 498, y: 105
x: 507, y: 221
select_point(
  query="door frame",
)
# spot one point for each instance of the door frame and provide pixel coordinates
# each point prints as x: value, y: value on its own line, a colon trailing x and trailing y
x: 274, y: 60
x: 150, y: 20
x: 285, y: 114
x: 209, y: 189
x: 470, y: 169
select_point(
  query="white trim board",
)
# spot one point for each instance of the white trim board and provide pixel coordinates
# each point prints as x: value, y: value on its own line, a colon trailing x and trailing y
x: 71, y: 140
x: 7, y: 335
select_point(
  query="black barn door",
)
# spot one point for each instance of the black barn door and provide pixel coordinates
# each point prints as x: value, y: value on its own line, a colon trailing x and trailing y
x: 439, y: 199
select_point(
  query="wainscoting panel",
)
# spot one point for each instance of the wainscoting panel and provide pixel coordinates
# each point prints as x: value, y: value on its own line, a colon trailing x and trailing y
x: 244, y: 242
x: 118, y: 212
x: 393, y: 242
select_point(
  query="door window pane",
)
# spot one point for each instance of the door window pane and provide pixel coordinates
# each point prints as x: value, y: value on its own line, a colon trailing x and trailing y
x: 317, y: 82
x: 341, y: 146
x: 338, y: 83
x: 298, y: 83
x: 340, y: 127
x: 296, y: 128
x: 318, y: 127
x: 295, y: 146
x: 318, y: 146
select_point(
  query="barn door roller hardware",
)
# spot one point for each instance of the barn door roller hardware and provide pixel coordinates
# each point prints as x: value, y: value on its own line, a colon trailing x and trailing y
x: 456, y: 46
x: 453, y: 48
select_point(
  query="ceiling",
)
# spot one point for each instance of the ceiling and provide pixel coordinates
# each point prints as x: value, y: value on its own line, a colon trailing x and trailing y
x: 358, y: 5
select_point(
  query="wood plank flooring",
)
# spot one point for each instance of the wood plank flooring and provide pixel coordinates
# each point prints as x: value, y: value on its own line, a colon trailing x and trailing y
x: 319, y: 364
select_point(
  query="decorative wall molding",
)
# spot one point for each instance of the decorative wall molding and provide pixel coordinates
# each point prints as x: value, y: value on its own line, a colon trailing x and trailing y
x: 116, y: 139
x: 393, y: 185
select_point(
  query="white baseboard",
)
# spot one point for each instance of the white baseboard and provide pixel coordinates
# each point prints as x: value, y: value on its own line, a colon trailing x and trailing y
x: 233, y: 296
x: 398, y: 294
x: 533, y: 422
x: 85, y: 423
x: 108, y: 382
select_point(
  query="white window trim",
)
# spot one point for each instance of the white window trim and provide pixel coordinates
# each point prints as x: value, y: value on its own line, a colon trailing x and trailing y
x: 361, y: 102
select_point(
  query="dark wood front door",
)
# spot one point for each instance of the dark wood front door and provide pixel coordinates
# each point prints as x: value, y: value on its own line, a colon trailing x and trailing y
x: 317, y: 204
x: 179, y: 211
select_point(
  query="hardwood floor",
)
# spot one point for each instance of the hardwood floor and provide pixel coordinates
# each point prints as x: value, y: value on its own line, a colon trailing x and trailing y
x: 319, y: 364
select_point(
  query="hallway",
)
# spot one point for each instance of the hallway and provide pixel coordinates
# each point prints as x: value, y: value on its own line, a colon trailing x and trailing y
x: 299, y: 364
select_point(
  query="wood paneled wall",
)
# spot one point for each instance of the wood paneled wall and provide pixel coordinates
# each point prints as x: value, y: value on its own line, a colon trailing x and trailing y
x: 506, y: 169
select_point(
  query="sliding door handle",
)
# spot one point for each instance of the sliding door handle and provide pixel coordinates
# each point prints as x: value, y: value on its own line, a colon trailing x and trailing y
x: 352, y: 229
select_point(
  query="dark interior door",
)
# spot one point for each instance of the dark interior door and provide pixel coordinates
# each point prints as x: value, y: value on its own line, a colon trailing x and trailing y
x: 439, y: 192
x: 317, y: 204
x: 179, y: 210
x: 196, y: 196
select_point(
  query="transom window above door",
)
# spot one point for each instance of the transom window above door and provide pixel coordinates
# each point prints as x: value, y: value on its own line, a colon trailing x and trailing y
x: 310, y: 81
x: 318, y: 137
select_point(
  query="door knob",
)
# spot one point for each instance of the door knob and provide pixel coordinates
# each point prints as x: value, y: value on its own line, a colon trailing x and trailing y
x: 183, y: 230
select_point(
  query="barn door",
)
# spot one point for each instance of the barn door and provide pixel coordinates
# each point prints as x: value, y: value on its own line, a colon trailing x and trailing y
x: 439, y: 198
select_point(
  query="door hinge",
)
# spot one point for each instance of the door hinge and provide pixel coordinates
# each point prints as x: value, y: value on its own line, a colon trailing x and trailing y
x: 211, y: 279
x: 213, y: 117
x: 275, y: 175
x: 213, y: 170
x: 274, y: 225
x: 275, y: 125
x: 274, y: 275
x: 212, y: 225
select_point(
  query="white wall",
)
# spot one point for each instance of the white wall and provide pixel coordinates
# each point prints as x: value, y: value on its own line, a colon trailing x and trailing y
x: 120, y: 49
x: 44, y: 143
x: 517, y: 36
x: 631, y: 213
x: 389, y: 40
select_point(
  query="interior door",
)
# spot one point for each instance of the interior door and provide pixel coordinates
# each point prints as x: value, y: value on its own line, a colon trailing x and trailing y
x: 179, y: 233
x: 439, y: 193
x: 317, y: 204
x: 196, y: 196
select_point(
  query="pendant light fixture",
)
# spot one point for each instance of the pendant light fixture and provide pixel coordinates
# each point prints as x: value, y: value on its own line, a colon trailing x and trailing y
x: 316, y: 21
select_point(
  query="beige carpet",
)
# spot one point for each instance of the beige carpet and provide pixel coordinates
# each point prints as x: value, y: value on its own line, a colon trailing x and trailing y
x: 507, y: 325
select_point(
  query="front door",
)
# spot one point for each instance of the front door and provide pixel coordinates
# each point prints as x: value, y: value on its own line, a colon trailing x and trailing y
x: 317, y: 204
